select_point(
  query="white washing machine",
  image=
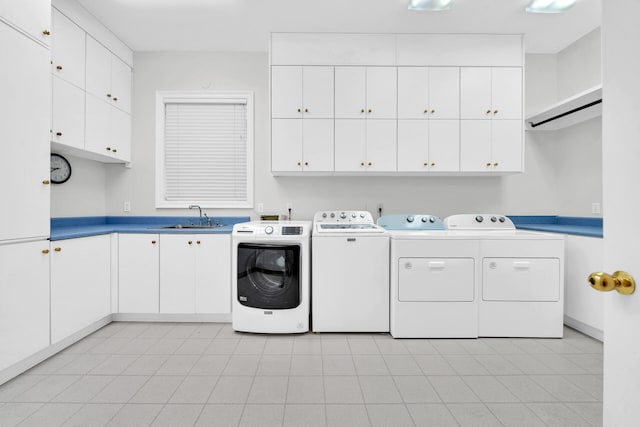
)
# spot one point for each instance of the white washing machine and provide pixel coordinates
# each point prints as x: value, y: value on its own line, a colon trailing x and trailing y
x: 350, y: 273
x: 270, y: 276
x: 434, y: 279
x: 521, y: 276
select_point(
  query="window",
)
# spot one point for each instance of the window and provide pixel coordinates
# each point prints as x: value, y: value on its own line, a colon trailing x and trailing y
x: 204, y: 149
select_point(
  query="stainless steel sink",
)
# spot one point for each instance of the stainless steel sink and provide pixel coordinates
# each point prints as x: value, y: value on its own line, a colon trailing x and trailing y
x: 191, y: 226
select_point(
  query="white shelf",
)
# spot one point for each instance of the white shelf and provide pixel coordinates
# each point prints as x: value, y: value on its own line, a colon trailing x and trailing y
x: 589, y: 96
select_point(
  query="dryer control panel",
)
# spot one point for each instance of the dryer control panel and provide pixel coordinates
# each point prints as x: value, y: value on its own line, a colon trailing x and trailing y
x: 479, y: 222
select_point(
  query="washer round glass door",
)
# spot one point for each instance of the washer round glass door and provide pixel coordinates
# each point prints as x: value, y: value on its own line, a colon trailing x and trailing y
x: 268, y: 275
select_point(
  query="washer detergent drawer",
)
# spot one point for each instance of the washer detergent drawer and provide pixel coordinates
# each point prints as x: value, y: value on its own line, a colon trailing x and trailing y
x: 520, y: 279
x: 435, y: 279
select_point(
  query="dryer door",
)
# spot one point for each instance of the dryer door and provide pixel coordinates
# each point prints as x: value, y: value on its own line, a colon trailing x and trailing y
x: 268, y: 275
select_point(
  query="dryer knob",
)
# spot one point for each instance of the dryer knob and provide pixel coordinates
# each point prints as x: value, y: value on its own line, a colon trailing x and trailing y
x: 432, y: 220
x: 353, y: 215
x: 479, y: 218
x: 494, y: 219
x: 362, y: 215
x: 268, y: 229
x: 324, y: 214
x: 333, y: 215
x: 410, y: 218
x: 424, y: 219
x: 502, y: 219
x: 343, y: 215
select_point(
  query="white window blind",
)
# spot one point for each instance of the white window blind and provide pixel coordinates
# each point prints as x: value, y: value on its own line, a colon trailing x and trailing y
x: 206, y: 152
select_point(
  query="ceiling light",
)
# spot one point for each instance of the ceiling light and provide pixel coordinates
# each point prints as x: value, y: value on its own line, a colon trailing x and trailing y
x: 549, y: 6
x: 430, y: 4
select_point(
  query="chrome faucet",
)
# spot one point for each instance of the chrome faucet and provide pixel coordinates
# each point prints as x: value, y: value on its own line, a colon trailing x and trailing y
x: 199, y: 209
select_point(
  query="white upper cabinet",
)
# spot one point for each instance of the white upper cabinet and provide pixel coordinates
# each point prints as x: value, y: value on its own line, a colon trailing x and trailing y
x: 108, y: 131
x: 491, y: 146
x: 491, y: 93
x: 428, y: 146
x: 31, y: 16
x: 428, y: 92
x: 366, y: 92
x: 25, y: 109
x: 68, y: 114
x: 302, y: 145
x: 68, y: 50
x: 108, y: 78
x: 365, y: 146
x: 302, y: 92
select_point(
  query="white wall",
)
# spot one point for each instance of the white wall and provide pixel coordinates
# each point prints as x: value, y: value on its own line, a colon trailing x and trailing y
x: 85, y: 194
x: 580, y: 65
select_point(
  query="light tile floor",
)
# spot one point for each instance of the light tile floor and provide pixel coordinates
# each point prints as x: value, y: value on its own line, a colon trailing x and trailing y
x: 170, y: 374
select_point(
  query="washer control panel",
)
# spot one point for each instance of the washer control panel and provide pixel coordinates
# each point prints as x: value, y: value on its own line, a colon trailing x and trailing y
x: 479, y: 222
x: 410, y: 222
x: 360, y: 217
x: 272, y: 228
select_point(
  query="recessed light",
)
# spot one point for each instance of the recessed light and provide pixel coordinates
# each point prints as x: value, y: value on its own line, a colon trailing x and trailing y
x: 549, y: 6
x: 430, y: 4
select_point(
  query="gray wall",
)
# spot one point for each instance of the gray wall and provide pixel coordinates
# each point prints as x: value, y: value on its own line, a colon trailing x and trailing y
x: 85, y: 194
x: 554, y: 181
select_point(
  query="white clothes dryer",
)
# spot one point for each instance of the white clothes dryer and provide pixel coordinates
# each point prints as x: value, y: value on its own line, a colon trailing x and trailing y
x: 270, y: 276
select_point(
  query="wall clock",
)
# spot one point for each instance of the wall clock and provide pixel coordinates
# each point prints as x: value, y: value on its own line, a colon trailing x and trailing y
x: 60, y: 169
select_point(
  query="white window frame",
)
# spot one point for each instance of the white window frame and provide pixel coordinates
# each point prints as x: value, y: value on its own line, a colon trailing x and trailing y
x: 202, y: 97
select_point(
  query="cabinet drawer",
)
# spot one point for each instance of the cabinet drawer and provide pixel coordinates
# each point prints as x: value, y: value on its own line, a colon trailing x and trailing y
x: 520, y: 279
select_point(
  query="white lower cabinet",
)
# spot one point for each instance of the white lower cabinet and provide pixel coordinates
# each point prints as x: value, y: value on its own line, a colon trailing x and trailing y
x: 80, y: 284
x: 24, y: 300
x: 195, y: 273
x: 138, y: 273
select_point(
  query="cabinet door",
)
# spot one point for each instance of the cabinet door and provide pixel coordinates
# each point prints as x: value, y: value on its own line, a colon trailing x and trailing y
x: 67, y: 114
x: 413, y: 137
x: 80, y: 284
x: 475, y: 146
x: 31, y: 16
x: 413, y: 92
x: 98, y: 69
x: 97, y: 126
x: 24, y: 301
x: 120, y: 84
x: 506, y: 87
x: 286, y: 92
x: 177, y: 273
x: 350, y: 145
x: 68, y: 50
x: 138, y: 273
x: 506, y: 145
x: 350, y: 92
x: 444, y: 93
x: 26, y: 120
x: 120, y: 134
x: 475, y: 93
x: 382, y: 92
x: 317, y: 149
x: 444, y: 145
x: 382, y: 145
x: 286, y: 145
x: 213, y: 273
x: 317, y: 92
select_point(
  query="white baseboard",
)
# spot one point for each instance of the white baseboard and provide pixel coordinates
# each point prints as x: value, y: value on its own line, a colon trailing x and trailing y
x: 164, y: 317
x: 31, y: 361
x: 584, y: 328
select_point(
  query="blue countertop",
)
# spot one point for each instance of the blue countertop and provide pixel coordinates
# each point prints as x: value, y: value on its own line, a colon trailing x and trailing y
x: 579, y: 226
x: 71, y: 228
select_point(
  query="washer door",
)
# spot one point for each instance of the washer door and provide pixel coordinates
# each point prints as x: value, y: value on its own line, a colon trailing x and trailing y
x: 269, y: 276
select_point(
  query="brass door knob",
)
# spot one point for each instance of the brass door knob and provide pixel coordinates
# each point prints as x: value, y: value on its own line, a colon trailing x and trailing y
x: 115, y: 99
x: 114, y: 150
x: 198, y: 242
x: 190, y: 242
x: 362, y: 111
x: 621, y: 281
x: 433, y: 111
x: 488, y: 164
x: 495, y: 111
x: 153, y: 242
x: 425, y: 111
x: 46, y: 182
x: 433, y: 164
x: 495, y: 164
x: 108, y: 148
x: 306, y: 110
x: 306, y: 163
x: 108, y: 95
x: 489, y: 111
x: 299, y: 164
x: 58, y: 133
x: 46, y: 32
x: 45, y: 251
x: 299, y: 110
x: 369, y: 109
x: 361, y: 163
x: 370, y: 163
x: 57, y: 249
x: 425, y: 164
x: 59, y: 67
